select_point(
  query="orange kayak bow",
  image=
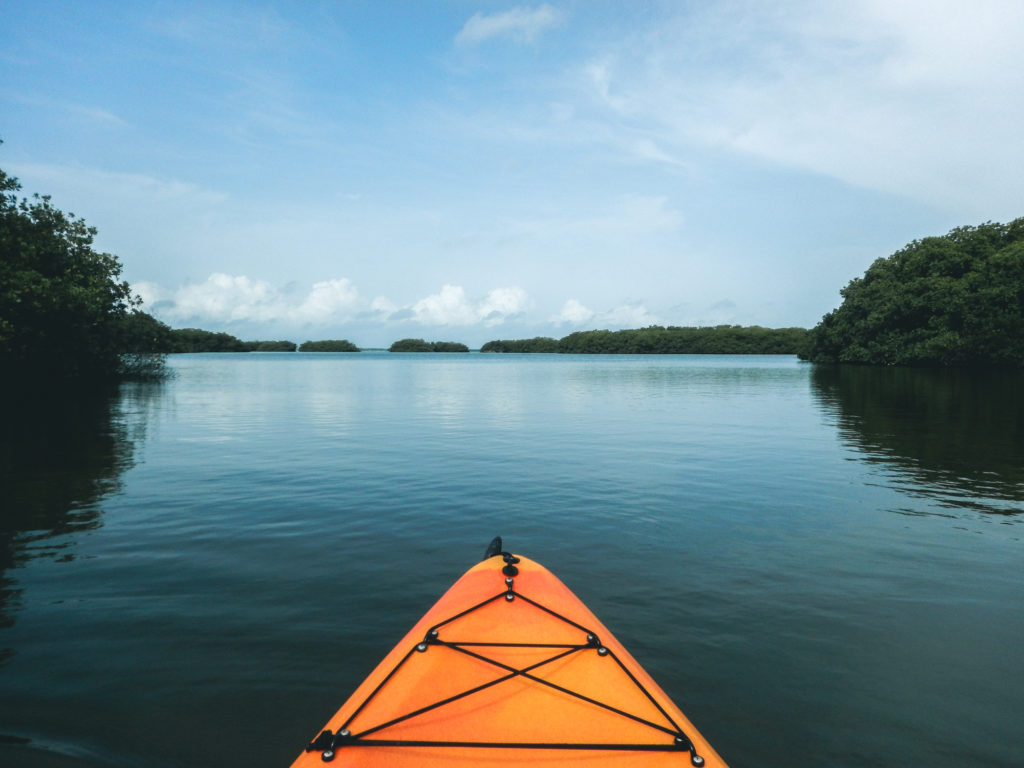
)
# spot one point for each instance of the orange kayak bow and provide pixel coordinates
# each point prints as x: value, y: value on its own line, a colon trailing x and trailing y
x: 509, y: 667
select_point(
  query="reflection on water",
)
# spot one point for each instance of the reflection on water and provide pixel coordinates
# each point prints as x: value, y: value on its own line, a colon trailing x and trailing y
x: 245, y: 542
x: 707, y: 376
x: 954, y: 436
x: 60, y: 454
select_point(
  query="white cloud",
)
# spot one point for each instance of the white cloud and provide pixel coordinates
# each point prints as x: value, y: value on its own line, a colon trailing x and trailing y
x: 228, y: 298
x: 573, y: 313
x: 520, y: 24
x: 922, y: 99
x: 329, y: 300
x: 501, y: 304
x: 242, y: 305
x: 632, y: 315
x: 629, y: 315
x: 224, y: 299
x: 383, y: 305
x: 449, y: 307
x: 452, y: 307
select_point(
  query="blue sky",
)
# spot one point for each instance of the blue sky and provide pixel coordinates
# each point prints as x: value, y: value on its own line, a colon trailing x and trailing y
x: 477, y: 170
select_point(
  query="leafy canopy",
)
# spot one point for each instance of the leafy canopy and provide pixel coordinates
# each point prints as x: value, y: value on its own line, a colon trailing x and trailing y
x: 419, y: 345
x: 63, y: 306
x: 329, y: 345
x: 658, y: 340
x: 955, y: 300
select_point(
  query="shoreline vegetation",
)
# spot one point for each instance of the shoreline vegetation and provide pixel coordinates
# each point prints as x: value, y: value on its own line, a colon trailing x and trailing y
x: 67, y: 316
x: 659, y: 340
x: 955, y: 301
x: 653, y: 340
x: 419, y: 345
x: 328, y: 345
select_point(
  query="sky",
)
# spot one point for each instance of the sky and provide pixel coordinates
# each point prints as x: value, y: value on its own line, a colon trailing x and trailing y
x: 473, y: 170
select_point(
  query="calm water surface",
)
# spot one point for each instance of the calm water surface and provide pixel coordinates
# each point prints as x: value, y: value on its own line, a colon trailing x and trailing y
x: 822, y: 567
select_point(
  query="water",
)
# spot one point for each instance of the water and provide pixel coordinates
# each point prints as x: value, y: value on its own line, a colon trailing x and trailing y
x: 822, y: 567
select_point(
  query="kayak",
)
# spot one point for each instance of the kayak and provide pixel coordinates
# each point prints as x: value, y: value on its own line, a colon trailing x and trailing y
x: 509, y: 667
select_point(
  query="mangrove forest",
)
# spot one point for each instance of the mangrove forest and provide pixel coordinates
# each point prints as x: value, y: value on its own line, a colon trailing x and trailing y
x: 673, y: 340
x: 65, y: 313
x: 419, y: 345
x: 955, y: 300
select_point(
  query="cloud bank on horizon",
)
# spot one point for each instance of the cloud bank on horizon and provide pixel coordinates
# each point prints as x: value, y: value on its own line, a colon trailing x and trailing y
x: 483, y: 170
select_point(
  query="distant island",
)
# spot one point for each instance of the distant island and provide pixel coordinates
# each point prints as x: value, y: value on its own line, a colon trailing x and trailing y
x: 178, y: 340
x: 653, y: 340
x: 330, y: 345
x: 537, y: 344
x: 269, y: 346
x: 659, y: 340
x: 419, y: 345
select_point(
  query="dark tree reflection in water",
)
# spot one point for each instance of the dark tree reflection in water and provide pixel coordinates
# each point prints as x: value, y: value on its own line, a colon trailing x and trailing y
x: 955, y: 437
x: 61, y: 454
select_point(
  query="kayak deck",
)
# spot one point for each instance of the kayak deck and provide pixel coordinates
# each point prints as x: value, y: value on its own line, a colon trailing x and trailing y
x: 509, y: 664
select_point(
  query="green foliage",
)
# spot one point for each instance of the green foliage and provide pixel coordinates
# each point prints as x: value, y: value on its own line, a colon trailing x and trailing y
x: 144, y: 366
x: 674, y: 340
x: 198, y: 340
x: 144, y: 343
x: 537, y: 344
x: 144, y: 334
x: 269, y: 346
x: 329, y: 345
x: 948, y: 301
x: 410, y: 345
x: 448, y: 346
x: 63, y: 309
x: 419, y: 345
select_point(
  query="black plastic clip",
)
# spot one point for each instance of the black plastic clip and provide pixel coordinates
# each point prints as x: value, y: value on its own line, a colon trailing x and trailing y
x: 510, y: 564
x: 684, y: 743
x: 328, y: 742
x: 324, y: 741
x: 593, y: 641
x: 429, y: 639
